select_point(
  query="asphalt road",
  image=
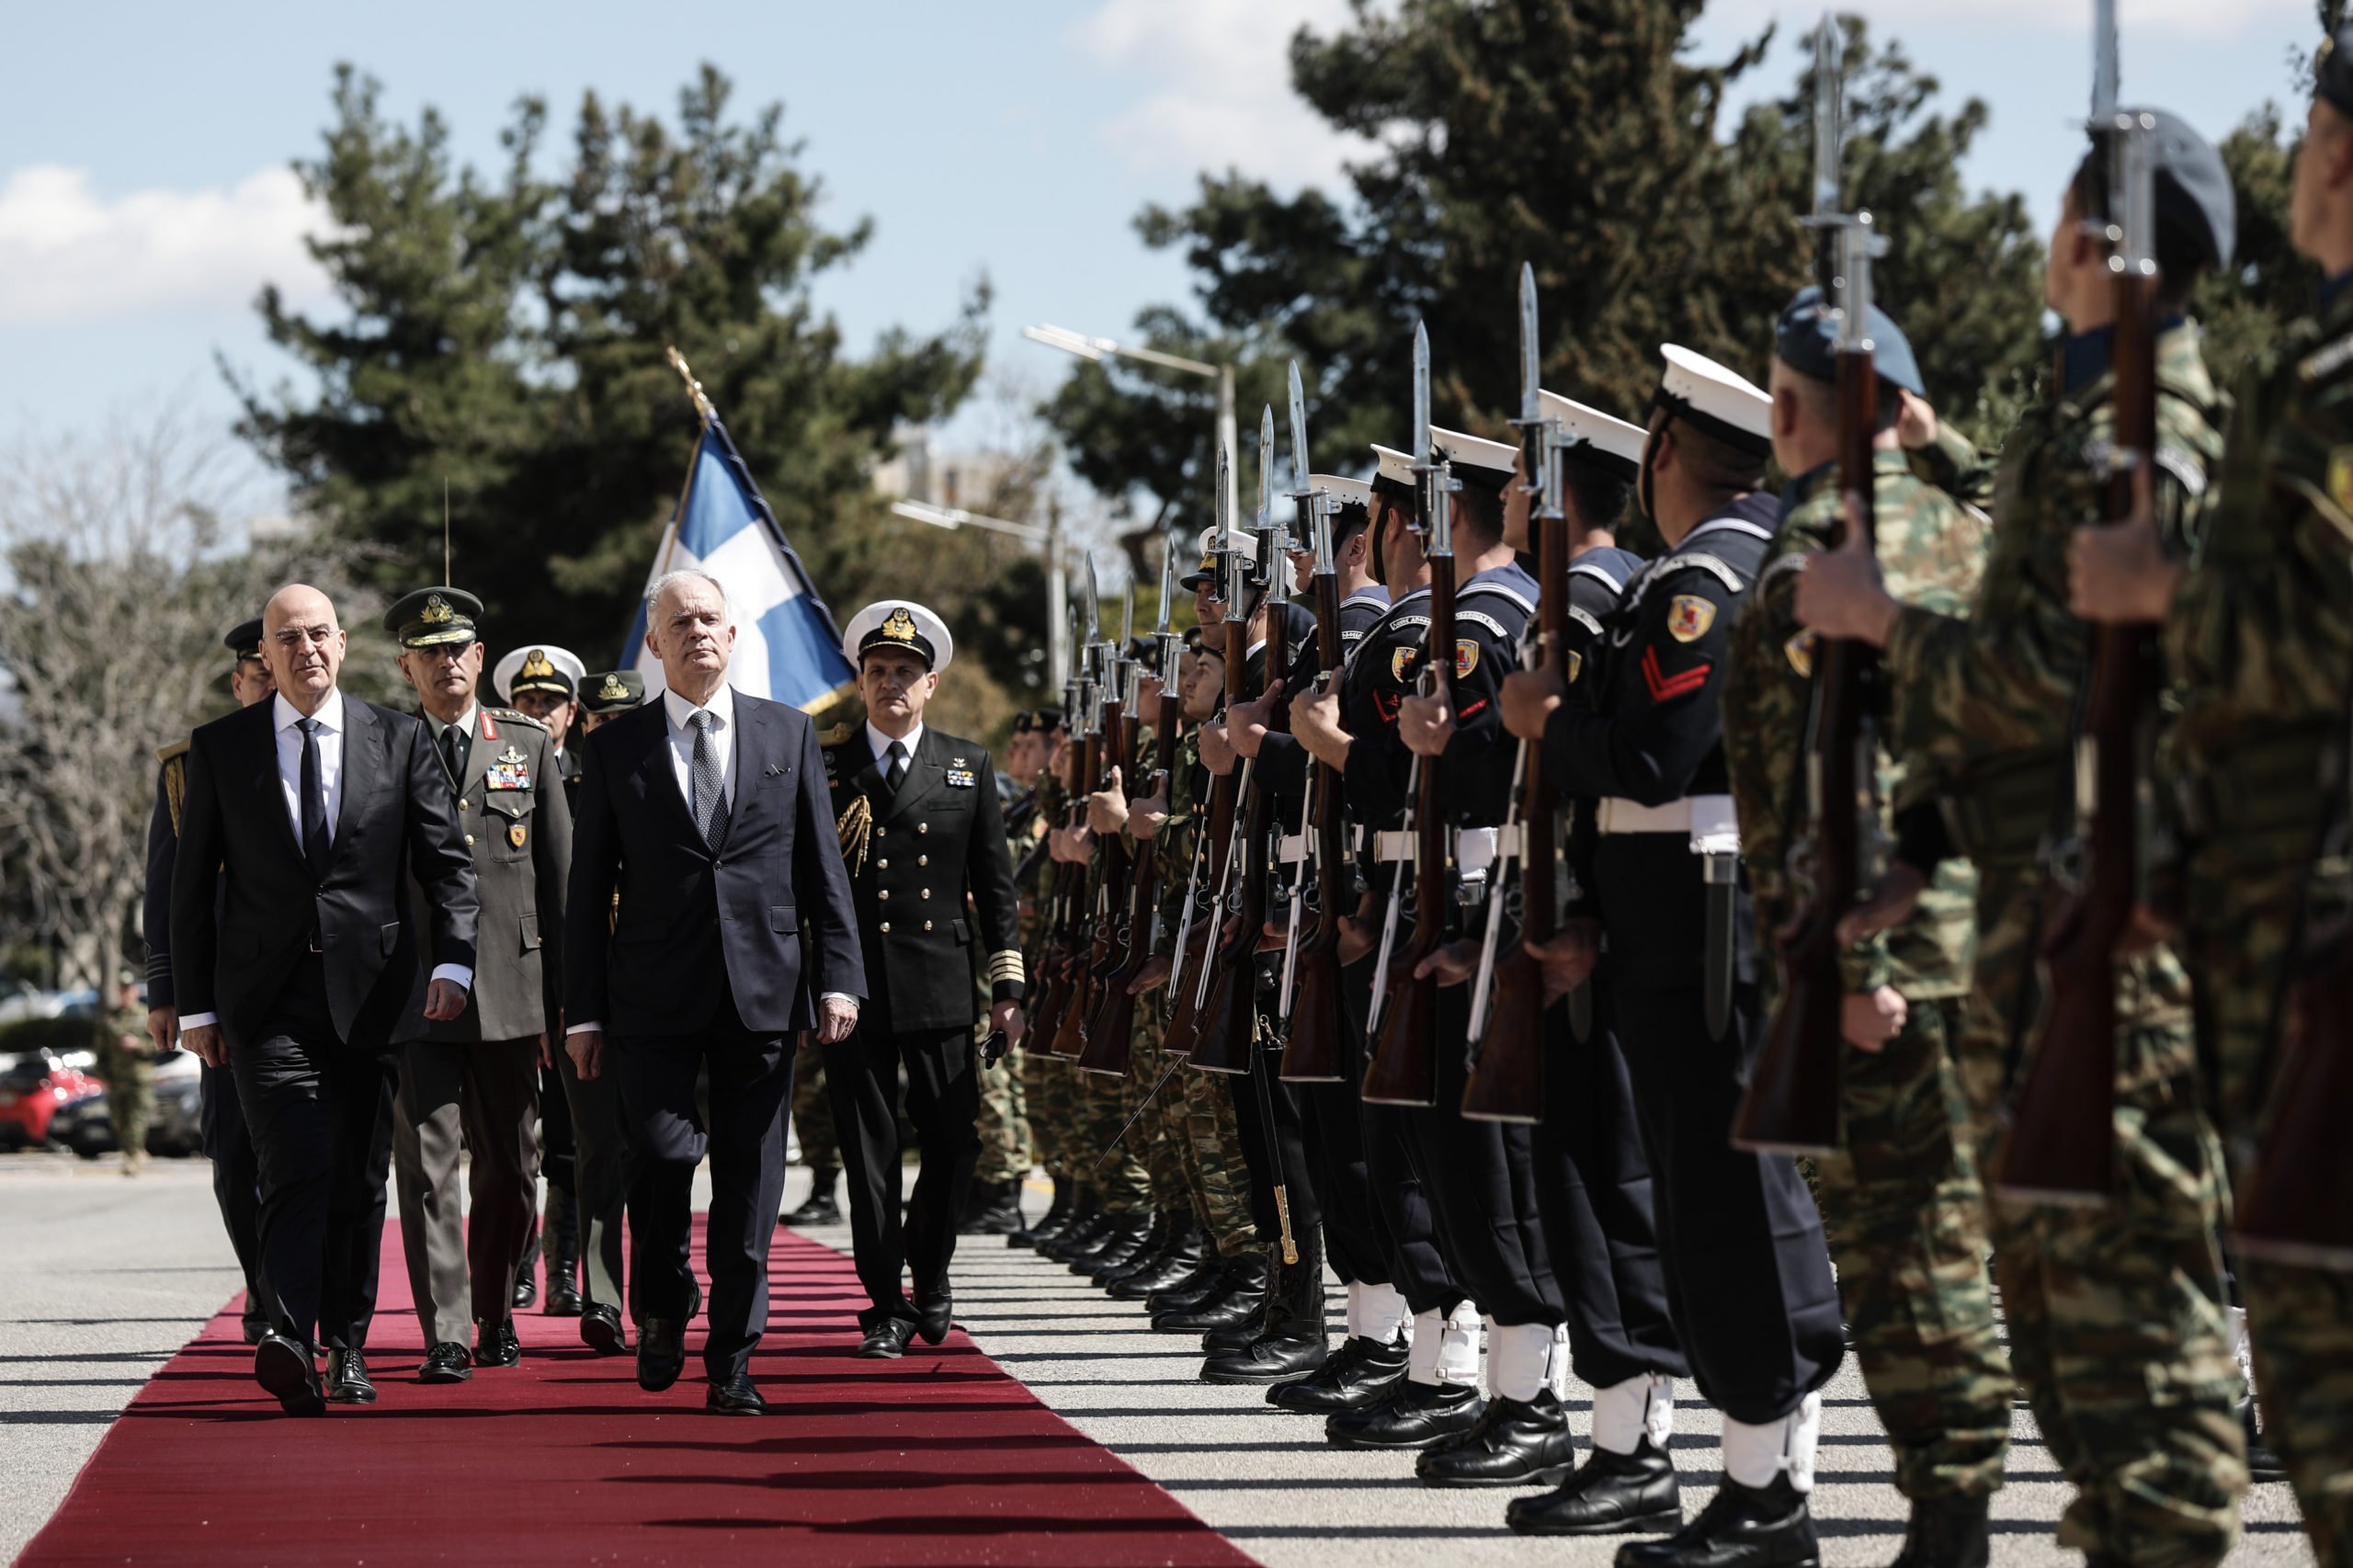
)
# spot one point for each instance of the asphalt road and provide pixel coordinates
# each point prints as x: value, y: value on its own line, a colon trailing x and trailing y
x: 103, y: 1279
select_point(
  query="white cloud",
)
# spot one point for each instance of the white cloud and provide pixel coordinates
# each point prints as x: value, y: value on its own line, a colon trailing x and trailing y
x: 1214, y: 79
x: 2165, y: 18
x: 69, y: 255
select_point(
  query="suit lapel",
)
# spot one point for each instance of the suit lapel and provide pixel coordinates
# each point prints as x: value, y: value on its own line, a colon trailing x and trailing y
x: 363, y: 759
x: 659, y: 778
x: 757, y: 749
x: 267, y: 785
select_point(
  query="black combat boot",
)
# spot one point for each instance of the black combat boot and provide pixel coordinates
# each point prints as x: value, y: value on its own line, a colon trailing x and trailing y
x: 1207, y: 1280
x: 1516, y: 1443
x: 819, y: 1208
x: 1179, y: 1254
x: 1119, y: 1246
x: 997, y: 1210
x: 1742, y: 1527
x: 1414, y: 1415
x: 2262, y: 1462
x: 1240, y: 1297
x: 1358, y: 1375
x: 1292, y: 1338
x: 1945, y: 1533
x: 1057, y: 1215
x: 1609, y: 1494
x: 1155, y: 1247
x: 1086, y: 1227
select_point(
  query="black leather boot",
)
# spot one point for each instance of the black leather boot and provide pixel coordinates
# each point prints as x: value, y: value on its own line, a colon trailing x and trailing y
x: 820, y: 1207
x: 1120, y: 1246
x: 2262, y: 1462
x: 1058, y: 1214
x: 1292, y: 1339
x: 1240, y: 1298
x: 1358, y: 1374
x: 1415, y: 1415
x: 1945, y: 1533
x: 1742, y: 1527
x: 1176, y: 1264
x: 1515, y: 1443
x: 1085, y: 1228
x: 1155, y: 1248
x: 1609, y: 1494
x: 997, y: 1210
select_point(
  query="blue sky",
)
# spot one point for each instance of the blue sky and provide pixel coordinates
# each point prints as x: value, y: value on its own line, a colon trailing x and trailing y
x: 142, y: 147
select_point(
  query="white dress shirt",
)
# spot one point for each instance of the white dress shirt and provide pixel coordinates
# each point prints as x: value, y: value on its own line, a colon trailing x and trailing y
x: 881, y: 745
x: 287, y: 719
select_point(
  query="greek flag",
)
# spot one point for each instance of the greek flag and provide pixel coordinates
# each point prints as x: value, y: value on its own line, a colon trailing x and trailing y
x: 787, y: 646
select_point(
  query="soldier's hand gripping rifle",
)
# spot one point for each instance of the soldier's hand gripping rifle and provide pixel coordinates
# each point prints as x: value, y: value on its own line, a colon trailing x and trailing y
x: 1112, y: 1031
x: 1111, y: 890
x: 2062, y: 1146
x: 1507, y: 1082
x: 1793, y: 1102
x: 1403, y: 1069
x: 1089, y: 936
x: 1229, y: 1020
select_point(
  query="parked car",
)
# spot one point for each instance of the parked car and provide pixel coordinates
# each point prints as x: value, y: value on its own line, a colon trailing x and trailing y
x: 33, y: 1089
x: 86, y: 1126
x: 20, y: 1001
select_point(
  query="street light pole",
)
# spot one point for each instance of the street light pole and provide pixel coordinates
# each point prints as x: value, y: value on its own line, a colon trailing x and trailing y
x: 1049, y: 540
x: 1100, y: 348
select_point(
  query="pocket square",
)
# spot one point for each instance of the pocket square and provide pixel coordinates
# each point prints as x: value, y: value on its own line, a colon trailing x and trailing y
x: 773, y: 771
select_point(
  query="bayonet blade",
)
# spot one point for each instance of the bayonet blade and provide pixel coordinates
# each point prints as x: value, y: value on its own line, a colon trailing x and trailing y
x: 1828, y: 90
x: 1167, y: 582
x: 1266, y: 466
x: 1531, y: 351
x: 1421, y: 395
x: 1093, y: 605
x: 2106, y: 72
x: 1224, y: 489
x: 1128, y: 622
x: 1299, y: 467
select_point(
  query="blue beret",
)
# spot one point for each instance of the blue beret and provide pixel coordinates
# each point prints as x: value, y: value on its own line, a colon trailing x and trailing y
x: 1807, y: 340
x: 2193, y: 186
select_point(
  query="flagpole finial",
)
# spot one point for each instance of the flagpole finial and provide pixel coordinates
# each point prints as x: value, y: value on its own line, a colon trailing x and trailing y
x: 694, y: 387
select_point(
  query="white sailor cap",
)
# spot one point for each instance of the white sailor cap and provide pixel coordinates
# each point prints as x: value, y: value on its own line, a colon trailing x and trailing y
x: 1346, y: 491
x: 541, y: 667
x: 1395, y: 466
x: 1244, y: 539
x: 1714, y: 401
x: 1465, y: 451
x: 1612, y: 441
x: 902, y: 624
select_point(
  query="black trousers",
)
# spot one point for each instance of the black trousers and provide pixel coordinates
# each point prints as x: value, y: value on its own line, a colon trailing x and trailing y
x: 320, y: 1116
x: 1594, y: 1190
x: 236, y: 1178
x: 1405, y: 1226
x: 751, y: 1080
x: 1481, y: 1178
x: 1332, y: 1122
x: 1747, y: 1271
x: 943, y: 1104
x: 1274, y: 1150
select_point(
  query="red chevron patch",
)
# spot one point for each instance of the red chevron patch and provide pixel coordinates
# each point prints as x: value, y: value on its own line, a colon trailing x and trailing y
x: 1664, y: 685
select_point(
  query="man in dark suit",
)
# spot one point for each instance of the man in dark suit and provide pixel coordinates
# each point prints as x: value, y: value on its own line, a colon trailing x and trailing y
x: 237, y: 1174
x: 923, y: 832
x: 734, y: 934
x: 471, y: 1084
x: 310, y: 814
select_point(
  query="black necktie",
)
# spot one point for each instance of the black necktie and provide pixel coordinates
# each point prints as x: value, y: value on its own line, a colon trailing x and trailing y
x: 453, y: 754
x: 897, y: 773
x: 314, y: 803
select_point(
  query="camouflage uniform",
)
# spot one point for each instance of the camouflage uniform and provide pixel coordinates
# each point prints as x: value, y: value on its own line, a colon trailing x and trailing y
x: 129, y: 1077
x: 1007, y: 1149
x: 1906, y: 1211
x: 812, y: 1118
x: 2261, y: 640
x: 2118, y: 1320
x: 1043, y: 1112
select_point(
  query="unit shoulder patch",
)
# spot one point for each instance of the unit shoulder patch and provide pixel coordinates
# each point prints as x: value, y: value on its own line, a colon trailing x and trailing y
x: 1466, y: 657
x: 1689, y: 616
x: 1799, y: 650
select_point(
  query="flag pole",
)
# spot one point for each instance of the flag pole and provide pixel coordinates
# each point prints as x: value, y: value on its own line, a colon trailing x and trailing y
x: 694, y: 388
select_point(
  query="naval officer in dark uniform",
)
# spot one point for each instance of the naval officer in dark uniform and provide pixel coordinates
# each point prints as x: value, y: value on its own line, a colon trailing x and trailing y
x: 923, y: 836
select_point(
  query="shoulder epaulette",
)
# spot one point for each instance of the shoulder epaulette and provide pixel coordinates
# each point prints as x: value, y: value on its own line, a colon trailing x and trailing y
x: 176, y: 749
x: 1497, y: 590
x: 835, y: 735
x: 513, y: 716
x: 2325, y: 362
x: 1702, y: 560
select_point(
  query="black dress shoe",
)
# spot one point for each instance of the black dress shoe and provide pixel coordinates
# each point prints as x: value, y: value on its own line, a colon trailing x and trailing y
x: 564, y: 1296
x: 1742, y: 1527
x: 526, y: 1289
x: 347, y: 1378
x: 887, y: 1340
x: 1268, y: 1358
x: 936, y: 1317
x: 448, y: 1362
x: 1515, y: 1443
x: 287, y: 1372
x: 660, y: 1353
x: 601, y: 1330
x: 819, y: 1208
x: 1415, y: 1415
x: 496, y: 1345
x: 1946, y: 1532
x: 1358, y: 1374
x: 735, y: 1396
x: 1610, y: 1495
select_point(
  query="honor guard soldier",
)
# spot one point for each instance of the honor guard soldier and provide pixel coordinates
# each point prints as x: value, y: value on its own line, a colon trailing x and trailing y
x: 471, y: 1084
x: 923, y: 836
x: 606, y: 696
x: 1909, y: 1228
x: 236, y: 1172
x: 1746, y: 1268
x: 543, y: 682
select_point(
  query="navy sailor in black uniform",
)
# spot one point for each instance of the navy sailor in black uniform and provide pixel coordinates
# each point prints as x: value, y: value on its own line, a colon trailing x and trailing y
x: 923, y: 835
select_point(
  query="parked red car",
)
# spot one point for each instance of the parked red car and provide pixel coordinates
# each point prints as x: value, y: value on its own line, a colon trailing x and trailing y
x: 32, y: 1088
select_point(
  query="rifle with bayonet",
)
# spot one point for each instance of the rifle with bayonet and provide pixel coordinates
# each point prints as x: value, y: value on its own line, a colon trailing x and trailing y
x: 1507, y: 1082
x: 1792, y: 1105
x: 1312, y: 1041
x: 1403, y: 1068
x: 2062, y: 1145
x: 1089, y: 934
x: 1085, y: 756
x: 1110, y: 927
x: 1197, y: 935
x: 1228, y: 1021
x: 1109, y: 1033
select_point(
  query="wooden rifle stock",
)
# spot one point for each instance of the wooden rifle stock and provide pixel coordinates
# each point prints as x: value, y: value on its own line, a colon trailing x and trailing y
x: 1311, y: 1040
x: 1791, y: 1105
x: 2062, y: 1144
x: 1101, y: 944
x: 1112, y: 1031
x: 1225, y: 792
x: 1229, y: 1023
x: 1091, y: 935
x: 1506, y: 1080
x: 1403, y: 1069
x: 2295, y: 1205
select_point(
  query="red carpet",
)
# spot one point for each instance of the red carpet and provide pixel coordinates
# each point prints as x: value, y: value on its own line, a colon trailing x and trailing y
x: 942, y: 1459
